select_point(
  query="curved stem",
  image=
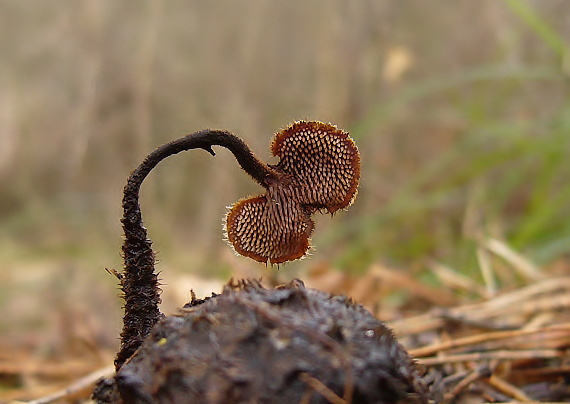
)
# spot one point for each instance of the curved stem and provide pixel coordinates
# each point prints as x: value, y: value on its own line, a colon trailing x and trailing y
x: 139, y: 282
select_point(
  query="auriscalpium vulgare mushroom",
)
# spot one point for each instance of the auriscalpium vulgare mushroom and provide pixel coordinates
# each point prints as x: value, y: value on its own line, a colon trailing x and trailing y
x: 319, y: 168
x: 251, y: 344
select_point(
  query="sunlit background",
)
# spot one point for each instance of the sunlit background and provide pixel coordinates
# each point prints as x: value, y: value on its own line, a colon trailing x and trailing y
x: 460, y: 110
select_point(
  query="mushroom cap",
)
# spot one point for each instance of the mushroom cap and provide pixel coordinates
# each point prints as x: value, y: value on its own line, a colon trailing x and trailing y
x: 323, y: 162
x: 263, y: 229
x: 319, y: 169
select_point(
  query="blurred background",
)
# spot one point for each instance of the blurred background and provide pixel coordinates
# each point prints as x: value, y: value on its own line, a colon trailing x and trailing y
x: 460, y: 110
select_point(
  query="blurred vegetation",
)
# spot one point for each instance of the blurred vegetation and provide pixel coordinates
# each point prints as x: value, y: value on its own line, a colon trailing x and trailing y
x: 460, y: 109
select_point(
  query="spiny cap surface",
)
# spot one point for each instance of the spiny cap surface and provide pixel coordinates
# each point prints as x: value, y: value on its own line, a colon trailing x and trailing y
x: 319, y: 169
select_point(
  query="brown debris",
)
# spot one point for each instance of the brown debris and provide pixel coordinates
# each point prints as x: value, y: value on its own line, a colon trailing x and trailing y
x: 281, y: 345
x: 464, y: 363
x: 528, y: 362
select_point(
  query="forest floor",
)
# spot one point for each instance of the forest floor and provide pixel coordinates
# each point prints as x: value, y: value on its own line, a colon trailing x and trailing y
x: 478, y: 343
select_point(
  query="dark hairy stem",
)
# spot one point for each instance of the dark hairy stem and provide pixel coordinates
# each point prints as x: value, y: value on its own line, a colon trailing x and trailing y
x: 139, y: 281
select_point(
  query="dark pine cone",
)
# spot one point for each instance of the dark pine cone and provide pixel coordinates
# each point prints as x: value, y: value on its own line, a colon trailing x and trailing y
x: 254, y: 345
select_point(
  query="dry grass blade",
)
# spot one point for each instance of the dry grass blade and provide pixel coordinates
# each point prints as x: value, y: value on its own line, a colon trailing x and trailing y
x: 401, y: 279
x: 490, y: 355
x: 521, y: 264
x: 322, y: 389
x: 463, y: 384
x: 547, y: 295
x: 508, y: 389
x: 48, y: 370
x: 455, y: 280
x: 487, y: 272
x: 85, y: 384
x: 543, y: 333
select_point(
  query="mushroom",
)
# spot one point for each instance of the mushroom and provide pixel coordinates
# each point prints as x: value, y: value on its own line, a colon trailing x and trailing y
x: 319, y: 169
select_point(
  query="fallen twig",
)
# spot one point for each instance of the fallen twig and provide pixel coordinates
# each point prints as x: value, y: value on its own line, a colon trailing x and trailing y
x: 85, y: 383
